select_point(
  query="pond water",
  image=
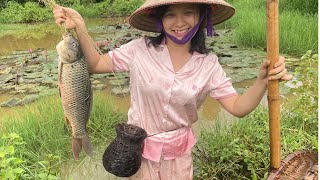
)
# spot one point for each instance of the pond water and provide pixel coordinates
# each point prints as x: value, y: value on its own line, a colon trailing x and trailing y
x: 102, y: 29
x: 239, y: 63
x: 43, y: 36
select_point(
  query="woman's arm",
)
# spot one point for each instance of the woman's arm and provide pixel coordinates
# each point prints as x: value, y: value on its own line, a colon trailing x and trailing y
x: 242, y: 105
x: 72, y: 20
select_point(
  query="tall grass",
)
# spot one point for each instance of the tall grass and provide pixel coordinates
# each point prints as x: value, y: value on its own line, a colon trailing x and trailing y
x: 241, y: 151
x: 298, y: 29
x: 305, y: 7
x: 45, y: 132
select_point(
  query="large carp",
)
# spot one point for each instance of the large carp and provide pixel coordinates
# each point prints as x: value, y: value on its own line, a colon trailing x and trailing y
x: 75, y: 92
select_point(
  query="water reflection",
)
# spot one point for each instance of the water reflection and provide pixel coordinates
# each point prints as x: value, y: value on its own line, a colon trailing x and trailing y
x: 11, y: 43
x: 44, y: 35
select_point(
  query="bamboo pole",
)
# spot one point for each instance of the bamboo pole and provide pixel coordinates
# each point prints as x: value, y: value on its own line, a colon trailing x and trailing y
x: 273, y: 86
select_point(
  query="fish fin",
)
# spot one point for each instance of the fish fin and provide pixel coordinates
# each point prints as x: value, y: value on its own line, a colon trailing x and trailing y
x: 89, y: 99
x: 67, y: 120
x: 76, y: 147
x: 59, y: 71
x: 59, y: 91
x: 86, y: 145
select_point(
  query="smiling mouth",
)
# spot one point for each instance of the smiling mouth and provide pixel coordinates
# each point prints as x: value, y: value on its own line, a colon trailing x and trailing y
x: 181, y: 32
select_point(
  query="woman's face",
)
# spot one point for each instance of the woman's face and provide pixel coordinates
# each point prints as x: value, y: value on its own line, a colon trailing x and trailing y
x: 179, y: 19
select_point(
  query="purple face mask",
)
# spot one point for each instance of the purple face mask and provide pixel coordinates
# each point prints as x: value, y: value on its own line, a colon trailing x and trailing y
x: 187, y: 37
x: 190, y: 34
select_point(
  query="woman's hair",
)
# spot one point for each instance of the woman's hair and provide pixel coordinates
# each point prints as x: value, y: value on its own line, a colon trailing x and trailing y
x: 198, y: 40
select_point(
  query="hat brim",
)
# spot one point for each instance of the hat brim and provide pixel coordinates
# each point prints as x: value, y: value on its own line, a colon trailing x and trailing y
x: 221, y: 11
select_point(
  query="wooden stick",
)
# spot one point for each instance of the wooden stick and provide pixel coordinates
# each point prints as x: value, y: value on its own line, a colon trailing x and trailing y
x: 273, y: 86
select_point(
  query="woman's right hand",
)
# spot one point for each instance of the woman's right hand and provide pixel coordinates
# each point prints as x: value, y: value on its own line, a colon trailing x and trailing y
x: 70, y: 17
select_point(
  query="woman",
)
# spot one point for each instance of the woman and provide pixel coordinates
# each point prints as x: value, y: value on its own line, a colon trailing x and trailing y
x: 170, y: 77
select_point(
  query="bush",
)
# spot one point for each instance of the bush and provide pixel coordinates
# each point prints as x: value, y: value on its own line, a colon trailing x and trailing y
x: 30, y: 12
x: 118, y: 8
x: 89, y: 11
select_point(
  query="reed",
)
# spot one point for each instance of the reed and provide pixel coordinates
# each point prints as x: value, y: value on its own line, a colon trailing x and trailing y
x: 298, y: 31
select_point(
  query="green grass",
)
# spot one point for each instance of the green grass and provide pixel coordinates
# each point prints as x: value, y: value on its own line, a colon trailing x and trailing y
x: 45, y: 133
x: 241, y: 150
x: 26, y: 31
x: 298, y: 31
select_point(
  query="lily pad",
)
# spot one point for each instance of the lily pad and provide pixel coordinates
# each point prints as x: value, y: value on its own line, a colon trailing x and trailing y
x: 119, y: 82
x: 29, y: 99
x: 239, y: 64
x: 98, y: 76
x: 48, y: 92
x: 120, y: 91
x: 243, y: 74
x: 6, y: 78
x: 11, y: 103
x: 33, y: 75
x: 7, y: 87
x: 6, y: 70
x: 32, y: 68
x: 99, y: 87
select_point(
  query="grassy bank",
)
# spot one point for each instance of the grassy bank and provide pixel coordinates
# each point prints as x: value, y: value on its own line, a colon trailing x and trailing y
x: 298, y: 27
x: 241, y: 151
x: 41, y: 141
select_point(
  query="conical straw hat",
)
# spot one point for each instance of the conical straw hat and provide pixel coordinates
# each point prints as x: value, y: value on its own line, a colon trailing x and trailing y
x: 140, y: 19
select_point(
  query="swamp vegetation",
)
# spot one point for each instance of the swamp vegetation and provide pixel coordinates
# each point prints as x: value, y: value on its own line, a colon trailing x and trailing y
x: 35, y: 143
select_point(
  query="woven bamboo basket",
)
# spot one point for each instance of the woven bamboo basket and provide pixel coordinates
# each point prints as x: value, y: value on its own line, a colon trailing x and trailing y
x: 302, y: 165
x: 123, y: 155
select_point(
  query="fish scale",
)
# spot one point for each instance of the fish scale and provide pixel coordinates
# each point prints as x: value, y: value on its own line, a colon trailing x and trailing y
x: 75, y: 92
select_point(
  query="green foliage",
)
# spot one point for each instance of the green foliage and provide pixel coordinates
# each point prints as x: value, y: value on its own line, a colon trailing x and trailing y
x: 307, y: 94
x: 13, y: 164
x: 30, y: 12
x: 48, y: 139
x: 304, y: 7
x: 119, y: 7
x: 87, y: 11
x: 238, y: 152
x: 12, y: 14
x: 68, y: 3
x: 10, y: 162
x: 3, y: 4
x: 242, y: 150
x: 298, y: 32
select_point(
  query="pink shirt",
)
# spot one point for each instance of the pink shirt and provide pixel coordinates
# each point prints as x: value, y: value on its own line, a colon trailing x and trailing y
x: 164, y: 100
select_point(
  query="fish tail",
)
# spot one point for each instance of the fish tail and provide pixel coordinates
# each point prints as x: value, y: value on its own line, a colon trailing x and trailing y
x: 81, y: 143
x: 76, y: 147
x: 86, y: 145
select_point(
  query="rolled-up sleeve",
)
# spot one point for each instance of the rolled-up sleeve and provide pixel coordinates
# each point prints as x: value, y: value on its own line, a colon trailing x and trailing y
x: 221, y: 85
x: 122, y: 56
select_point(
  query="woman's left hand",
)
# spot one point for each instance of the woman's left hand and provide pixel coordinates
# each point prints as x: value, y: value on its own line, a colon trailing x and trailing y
x: 279, y: 71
